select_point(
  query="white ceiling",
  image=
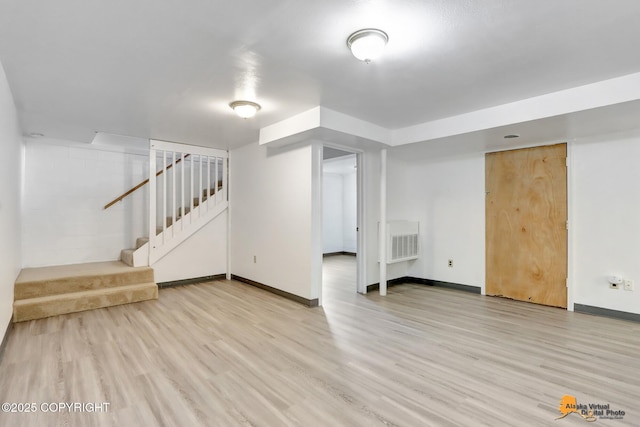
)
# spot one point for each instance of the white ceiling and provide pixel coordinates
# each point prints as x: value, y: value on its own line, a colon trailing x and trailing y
x: 329, y: 153
x: 168, y: 69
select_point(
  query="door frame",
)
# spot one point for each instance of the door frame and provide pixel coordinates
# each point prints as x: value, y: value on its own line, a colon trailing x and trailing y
x: 317, y: 197
x: 570, y: 234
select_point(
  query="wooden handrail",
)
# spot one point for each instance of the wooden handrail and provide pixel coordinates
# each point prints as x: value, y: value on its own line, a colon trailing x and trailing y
x: 119, y: 198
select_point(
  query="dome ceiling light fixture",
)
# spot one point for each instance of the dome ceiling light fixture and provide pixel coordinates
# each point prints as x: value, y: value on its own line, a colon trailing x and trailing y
x: 367, y: 44
x: 245, y: 109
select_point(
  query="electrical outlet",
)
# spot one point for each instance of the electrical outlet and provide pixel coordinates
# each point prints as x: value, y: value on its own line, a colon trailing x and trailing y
x: 628, y: 285
x: 450, y: 263
x: 254, y: 259
x: 615, y: 282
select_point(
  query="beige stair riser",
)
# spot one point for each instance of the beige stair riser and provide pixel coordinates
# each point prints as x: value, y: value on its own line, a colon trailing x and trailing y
x: 24, y: 290
x: 38, y: 308
x: 126, y: 256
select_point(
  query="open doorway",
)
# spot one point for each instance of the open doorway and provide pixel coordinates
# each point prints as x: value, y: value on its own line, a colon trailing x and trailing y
x: 339, y: 224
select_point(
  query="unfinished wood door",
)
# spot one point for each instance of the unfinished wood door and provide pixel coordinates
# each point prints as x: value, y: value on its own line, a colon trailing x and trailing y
x: 526, y: 224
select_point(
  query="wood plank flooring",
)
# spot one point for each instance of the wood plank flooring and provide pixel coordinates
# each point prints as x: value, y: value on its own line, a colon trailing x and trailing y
x: 227, y: 354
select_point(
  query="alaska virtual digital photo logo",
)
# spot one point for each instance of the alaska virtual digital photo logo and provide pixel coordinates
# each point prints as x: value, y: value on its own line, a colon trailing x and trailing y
x: 589, y: 412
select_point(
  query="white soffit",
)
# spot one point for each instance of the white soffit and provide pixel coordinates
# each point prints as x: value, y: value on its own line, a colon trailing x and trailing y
x: 323, y: 123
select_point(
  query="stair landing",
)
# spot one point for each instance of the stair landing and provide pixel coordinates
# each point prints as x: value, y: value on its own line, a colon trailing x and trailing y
x: 50, y: 291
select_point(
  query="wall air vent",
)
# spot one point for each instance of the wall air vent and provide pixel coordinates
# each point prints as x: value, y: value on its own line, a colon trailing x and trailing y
x: 402, y: 241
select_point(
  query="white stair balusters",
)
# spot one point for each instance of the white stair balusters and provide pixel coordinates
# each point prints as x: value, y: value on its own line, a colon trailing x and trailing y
x: 191, y: 191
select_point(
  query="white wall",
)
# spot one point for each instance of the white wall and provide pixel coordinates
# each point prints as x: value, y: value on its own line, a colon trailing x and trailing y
x: 349, y: 212
x: 333, y: 234
x: 605, y: 220
x: 339, y: 213
x: 447, y: 197
x: 271, y: 216
x: 203, y: 254
x: 66, y: 186
x: 10, y: 181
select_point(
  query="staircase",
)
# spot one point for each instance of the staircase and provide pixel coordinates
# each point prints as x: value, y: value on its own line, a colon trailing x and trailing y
x: 138, y: 256
x: 192, y: 191
x: 187, y: 192
x: 50, y: 291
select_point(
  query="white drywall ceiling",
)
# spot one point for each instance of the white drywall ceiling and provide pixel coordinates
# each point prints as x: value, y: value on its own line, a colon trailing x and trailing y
x: 168, y: 69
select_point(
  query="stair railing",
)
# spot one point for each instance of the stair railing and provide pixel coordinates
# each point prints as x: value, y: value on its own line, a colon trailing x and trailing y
x: 142, y: 184
x: 186, y: 196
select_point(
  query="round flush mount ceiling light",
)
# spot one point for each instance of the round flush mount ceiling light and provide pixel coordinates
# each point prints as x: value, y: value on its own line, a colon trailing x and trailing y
x: 245, y: 109
x: 367, y: 44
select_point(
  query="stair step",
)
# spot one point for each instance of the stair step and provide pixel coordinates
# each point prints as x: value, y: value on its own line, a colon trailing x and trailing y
x: 45, y: 281
x: 53, y: 305
x: 141, y: 241
x: 126, y: 256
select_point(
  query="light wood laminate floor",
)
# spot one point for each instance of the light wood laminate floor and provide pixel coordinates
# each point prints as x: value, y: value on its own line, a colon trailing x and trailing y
x: 227, y: 354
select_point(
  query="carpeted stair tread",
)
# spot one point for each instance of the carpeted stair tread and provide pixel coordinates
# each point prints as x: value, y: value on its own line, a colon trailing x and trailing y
x: 40, y: 282
x: 62, y: 271
x: 141, y: 241
x: 53, y: 305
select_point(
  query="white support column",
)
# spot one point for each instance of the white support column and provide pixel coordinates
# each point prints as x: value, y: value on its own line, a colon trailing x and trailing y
x: 226, y: 185
x: 361, y: 257
x: 316, y: 221
x: 382, y: 237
